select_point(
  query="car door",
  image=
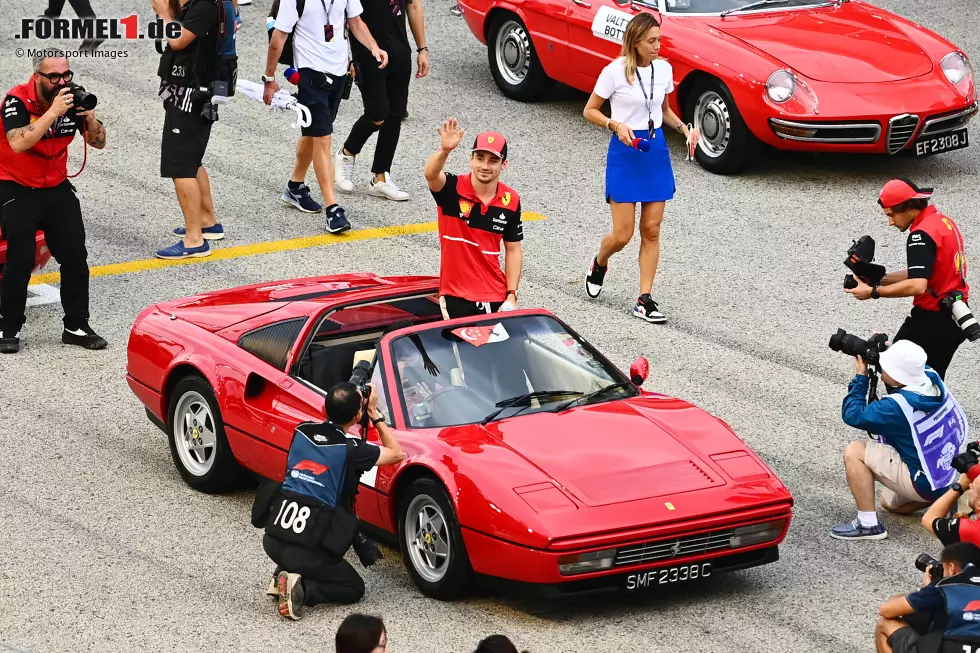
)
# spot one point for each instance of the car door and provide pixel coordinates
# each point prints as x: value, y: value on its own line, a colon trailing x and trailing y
x: 595, y: 35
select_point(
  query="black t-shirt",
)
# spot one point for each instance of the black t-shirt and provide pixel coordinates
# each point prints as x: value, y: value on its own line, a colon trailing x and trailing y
x: 387, y: 28
x: 921, y: 251
x: 957, y: 529
x: 199, y: 17
x: 16, y: 115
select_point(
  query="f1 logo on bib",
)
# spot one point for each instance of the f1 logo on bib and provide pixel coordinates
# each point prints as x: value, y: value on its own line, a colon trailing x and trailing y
x: 610, y: 24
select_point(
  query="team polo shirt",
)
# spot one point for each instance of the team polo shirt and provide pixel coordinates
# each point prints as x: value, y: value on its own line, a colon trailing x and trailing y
x: 949, y: 531
x: 470, y: 235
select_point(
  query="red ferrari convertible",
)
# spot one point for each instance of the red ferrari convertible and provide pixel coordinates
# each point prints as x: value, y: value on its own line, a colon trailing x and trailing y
x: 530, y: 457
x: 41, y: 253
x: 838, y: 75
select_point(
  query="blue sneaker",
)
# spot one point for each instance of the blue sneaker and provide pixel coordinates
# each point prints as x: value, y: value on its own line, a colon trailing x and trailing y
x: 179, y: 251
x: 336, y: 219
x: 855, y: 531
x: 300, y: 198
x: 215, y: 232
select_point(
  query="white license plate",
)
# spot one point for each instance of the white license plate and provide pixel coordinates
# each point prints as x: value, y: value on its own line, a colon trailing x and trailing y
x: 668, y: 575
x: 955, y: 140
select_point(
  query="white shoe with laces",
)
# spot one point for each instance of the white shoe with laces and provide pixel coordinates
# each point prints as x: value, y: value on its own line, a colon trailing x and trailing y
x: 343, y: 171
x: 387, y: 189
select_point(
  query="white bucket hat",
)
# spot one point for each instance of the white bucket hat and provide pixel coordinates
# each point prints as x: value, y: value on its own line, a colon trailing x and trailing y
x: 905, y: 362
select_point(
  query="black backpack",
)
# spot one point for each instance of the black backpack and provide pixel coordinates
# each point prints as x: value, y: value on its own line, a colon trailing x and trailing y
x: 286, y: 56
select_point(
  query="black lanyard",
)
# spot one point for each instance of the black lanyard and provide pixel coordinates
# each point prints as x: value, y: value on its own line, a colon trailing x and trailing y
x: 329, y: 22
x: 647, y: 100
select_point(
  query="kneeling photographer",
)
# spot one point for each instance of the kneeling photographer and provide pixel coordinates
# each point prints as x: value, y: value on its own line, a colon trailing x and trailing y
x: 935, y: 277
x: 309, y: 519
x: 916, y: 430
x: 960, y: 527
x: 943, y: 616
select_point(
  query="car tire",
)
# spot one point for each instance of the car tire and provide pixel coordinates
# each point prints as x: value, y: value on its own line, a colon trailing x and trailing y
x: 726, y: 146
x: 209, y: 465
x: 443, y: 579
x: 514, y: 62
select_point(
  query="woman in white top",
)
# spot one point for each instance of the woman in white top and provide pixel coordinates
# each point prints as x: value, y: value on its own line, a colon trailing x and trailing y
x: 638, y: 166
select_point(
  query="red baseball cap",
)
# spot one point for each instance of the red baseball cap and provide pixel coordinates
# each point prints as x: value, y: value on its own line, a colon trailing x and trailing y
x: 897, y: 191
x: 491, y: 142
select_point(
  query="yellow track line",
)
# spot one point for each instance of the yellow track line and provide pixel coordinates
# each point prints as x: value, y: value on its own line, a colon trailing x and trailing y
x: 271, y: 247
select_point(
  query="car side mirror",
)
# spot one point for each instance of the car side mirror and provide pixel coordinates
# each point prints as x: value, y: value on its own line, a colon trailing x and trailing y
x: 639, y: 370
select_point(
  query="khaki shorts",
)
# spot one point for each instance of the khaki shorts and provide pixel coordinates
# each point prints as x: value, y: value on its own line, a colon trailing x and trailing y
x: 889, y: 470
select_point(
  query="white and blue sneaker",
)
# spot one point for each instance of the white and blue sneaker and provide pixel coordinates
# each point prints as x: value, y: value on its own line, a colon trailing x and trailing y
x: 336, y: 219
x: 299, y: 196
x: 647, y: 309
x: 214, y: 232
x: 179, y: 251
x: 853, y: 530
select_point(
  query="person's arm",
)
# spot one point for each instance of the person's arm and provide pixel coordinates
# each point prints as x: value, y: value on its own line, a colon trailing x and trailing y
x: 895, y: 607
x: 880, y: 417
x: 894, y: 277
x: 361, y: 32
x: 197, y: 20
x: 416, y: 22
x: 391, y: 450
x: 941, y: 507
x: 22, y: 134
x: 450, y: 136
x: 95, y: 133
x: 673, y: 121
x: 911, y: 282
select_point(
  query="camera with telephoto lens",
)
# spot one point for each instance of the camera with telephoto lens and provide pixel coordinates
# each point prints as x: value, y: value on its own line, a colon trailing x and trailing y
x: 81, y: 98
x: 365, y: 548
x: 360, y: 377
x: 968, y: 460
x: 962, y: 314
x: 852, y: 345
x: 926, y: 562
x: 859, y: 261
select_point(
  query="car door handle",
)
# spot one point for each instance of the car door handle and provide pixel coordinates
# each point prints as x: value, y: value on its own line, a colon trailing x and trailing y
x: 582, y: 3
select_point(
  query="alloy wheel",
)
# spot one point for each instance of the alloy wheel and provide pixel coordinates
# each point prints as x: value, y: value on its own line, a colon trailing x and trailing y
x: 194, y: 433
x: 513, y: 52
x: 427, y: 538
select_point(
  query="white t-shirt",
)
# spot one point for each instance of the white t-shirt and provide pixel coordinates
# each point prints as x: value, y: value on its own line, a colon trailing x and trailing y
x: 629, y: 106
x: 310, y: 48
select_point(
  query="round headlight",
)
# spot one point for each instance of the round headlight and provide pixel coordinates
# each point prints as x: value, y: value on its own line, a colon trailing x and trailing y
x: 955, y: 67
x: 780, y: 86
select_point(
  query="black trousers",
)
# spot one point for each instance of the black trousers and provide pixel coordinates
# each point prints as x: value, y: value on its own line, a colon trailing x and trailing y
x: 325, y: 579
x: 385, y: 96
x: 936, y: 333
x: 83, y: 8
x: 56, y: 212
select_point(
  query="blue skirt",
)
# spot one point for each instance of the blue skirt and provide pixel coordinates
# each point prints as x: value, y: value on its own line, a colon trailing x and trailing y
x: 635, y: 176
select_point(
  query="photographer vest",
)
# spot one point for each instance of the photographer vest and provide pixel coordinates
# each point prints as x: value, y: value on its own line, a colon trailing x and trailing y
x: 312, y: 506
x: 949, y: 270
x: 938, y: 436
x: 46, y: 164
x: 961, y: 594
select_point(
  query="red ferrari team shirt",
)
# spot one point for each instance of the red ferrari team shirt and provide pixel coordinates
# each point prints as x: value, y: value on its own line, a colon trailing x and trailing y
x: 470, y: 234
x: 950, y: 531
x: 936, y: 252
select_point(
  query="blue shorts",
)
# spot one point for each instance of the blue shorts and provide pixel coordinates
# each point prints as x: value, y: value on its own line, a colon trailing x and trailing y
x: 321, y: 94
x: 635, y: 176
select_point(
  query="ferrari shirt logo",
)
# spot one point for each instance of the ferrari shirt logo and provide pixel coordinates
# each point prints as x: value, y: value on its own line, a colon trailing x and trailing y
x: 506, y: 199
x: 948, y: 225
x: 490, y: 139
x: 669, y: 505
x: 465, y: 208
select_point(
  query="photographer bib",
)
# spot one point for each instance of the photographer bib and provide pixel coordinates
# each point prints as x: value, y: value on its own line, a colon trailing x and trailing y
x: 938, y: 437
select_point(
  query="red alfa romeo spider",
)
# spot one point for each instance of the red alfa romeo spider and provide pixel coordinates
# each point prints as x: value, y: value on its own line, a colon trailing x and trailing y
x: 837, y: 75
x: 530, y: 457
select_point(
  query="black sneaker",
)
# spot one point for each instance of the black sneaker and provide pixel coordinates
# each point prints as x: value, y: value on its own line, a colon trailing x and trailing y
x: 84, y: 337
x: 9, y: 342
x: 336, y: 219
x: 299, y: 197
x: 595, y: 277
x: 646, y: 309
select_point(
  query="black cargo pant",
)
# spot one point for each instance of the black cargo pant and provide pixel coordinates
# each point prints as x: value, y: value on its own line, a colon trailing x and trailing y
x: 385, y: 95
x: 936, y: 333
x: 325, y: 579
x: 55, y: 211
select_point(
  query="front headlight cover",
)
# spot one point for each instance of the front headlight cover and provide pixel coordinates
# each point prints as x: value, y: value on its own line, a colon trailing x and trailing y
x: 956, y: 67
x: 585, y: 562
x: 757, y: 533
x: 781, y: 86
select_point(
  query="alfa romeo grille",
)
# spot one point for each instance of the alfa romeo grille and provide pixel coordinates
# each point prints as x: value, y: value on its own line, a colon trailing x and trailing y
x: 675, y: 548
x: 900, y: 131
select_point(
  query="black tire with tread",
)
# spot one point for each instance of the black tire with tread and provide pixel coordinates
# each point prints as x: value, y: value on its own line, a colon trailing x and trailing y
x: 742, y: 146
x: 536, y: 82
x: 225, y: 474
x: 454, y: 583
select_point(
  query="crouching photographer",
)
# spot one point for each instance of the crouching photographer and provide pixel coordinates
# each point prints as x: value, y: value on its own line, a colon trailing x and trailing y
x: 943, y: 616
x: 309, y: 518
x: 916, y: 429
x: 960, y: 527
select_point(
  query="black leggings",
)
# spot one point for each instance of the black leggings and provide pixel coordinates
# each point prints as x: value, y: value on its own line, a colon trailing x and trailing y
x: 385, y: 96
x: 83, y: 8
x: 325, y: 579
x: 56, y: 212
x: 936, y: 333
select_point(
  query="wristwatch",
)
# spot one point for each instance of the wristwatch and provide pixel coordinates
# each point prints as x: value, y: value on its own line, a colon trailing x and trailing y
x: 266, y: 78
x: 512, y: 292
x: 956, y: 487
x: 375, y: 422
x: 424, y: 47
x: 874, y: 293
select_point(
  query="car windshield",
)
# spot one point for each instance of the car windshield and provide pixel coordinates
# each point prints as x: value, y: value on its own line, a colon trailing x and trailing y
x: 497, y: 368
x: 718, y: 6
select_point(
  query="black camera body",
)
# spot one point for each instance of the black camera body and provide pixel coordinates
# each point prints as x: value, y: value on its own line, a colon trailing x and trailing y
x: 925, y: 562
x: 852, y: 345
x: 967, y: 460
x: 81, y: 98
x: 360, y: 377
x: 859, y: 261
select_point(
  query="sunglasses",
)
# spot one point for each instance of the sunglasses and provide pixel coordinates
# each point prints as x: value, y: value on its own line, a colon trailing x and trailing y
x: 55, y: 77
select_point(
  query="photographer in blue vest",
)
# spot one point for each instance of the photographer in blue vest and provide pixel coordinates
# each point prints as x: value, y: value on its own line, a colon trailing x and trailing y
x: 949, y: 602
x: 918, y: 429
x: 309, y: 519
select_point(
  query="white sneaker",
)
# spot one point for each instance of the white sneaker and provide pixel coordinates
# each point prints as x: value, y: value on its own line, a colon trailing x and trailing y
x: 343, y: 171
x: 387, y: 189
x: 242, y: 3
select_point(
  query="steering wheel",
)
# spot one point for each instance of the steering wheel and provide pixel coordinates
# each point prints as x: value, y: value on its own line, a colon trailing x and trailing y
x: 435, y: 403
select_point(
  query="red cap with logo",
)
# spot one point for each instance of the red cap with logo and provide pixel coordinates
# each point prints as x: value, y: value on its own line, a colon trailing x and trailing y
x: 897, y: 191
x: 491, y: 142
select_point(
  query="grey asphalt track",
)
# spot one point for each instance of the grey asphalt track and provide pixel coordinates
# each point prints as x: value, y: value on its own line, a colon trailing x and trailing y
x: 104, y: 548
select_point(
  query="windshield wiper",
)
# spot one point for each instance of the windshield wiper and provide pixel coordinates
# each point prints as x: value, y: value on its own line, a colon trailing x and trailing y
x: 753, y: 5
x: 593, y: 395
x: 526, y: 400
